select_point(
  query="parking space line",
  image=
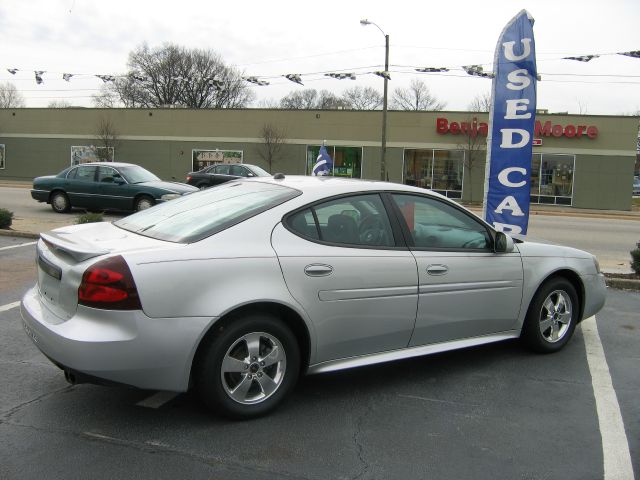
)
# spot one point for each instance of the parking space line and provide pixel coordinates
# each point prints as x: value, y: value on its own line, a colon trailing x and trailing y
x: 615, y: 446
x: 157, y: 400
x: 17, y: 246
x: 9, y: 306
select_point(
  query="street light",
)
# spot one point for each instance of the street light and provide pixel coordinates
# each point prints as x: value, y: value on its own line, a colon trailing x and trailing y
x: 383, y: 158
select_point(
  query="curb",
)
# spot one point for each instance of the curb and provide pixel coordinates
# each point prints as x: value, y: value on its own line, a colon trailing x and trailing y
x: 623, y: 283
x: 15, y: 233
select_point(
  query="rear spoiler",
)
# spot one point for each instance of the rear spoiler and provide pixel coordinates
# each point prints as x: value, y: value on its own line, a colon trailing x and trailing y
x: 80, y: 250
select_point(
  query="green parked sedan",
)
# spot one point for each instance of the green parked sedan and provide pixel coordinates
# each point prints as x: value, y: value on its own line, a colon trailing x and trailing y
x: 105, y: 186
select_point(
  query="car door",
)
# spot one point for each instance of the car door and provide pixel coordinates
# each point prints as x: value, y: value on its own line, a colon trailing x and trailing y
x: 81, y: 186
x: 221, y: 174
x: 113, y: 190
x: 465, y: 288
x: 344, y: 263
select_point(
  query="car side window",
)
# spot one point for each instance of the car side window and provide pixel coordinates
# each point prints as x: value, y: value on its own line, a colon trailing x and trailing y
x: 85, y: 174
x: 107, y: 174
x: 304, y: 224
x: 222, y: 169
x: 434, y: 224
x: 239, y: 171
x: 356, y: 220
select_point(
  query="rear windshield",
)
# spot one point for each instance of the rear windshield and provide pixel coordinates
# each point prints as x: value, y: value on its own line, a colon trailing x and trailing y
x: 198, y: 215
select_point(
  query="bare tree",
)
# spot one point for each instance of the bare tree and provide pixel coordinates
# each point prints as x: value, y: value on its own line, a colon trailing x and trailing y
x: 172, y: 76
x: 362, y: 98
x: 107, y: 140
x: 108, y: 97
x: 273, y: 139
x: 480, y: 103
x: 268, y: 103
x: 10, y: 97
x: 310, y: 98
x: 300, y: 99
x: 59, y: 104
x: 329, y: 101
x: 416, y: 97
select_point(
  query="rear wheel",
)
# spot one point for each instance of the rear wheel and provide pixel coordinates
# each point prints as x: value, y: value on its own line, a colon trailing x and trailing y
x: 249, y: 367
x: 143, y: 202
x: 60, y: 202
x: 202, y: 186
x: 552, y: 316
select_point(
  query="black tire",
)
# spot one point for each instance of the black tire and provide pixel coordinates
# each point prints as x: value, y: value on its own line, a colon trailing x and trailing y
x: 216, y: 384
x: 60, y: 202
x: 203, y: 186
x: 552, y: 316
x: 143, y: 202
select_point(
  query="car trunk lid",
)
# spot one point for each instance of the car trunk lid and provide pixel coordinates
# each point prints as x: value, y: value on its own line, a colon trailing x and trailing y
x: 64, y: 254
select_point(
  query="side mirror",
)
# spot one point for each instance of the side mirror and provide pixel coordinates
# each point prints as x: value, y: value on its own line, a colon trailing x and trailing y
x: 504, y: 243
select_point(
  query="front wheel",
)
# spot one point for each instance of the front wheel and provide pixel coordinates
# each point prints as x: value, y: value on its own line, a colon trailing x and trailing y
x: 249, y: 367
x: 144, y: 202
x: 552, y: 316
x: 60, y: 202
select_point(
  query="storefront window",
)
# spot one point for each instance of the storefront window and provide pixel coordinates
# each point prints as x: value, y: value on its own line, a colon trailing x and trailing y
x: 440, y: 170
x: 552, y: 179
x: 347, y: 161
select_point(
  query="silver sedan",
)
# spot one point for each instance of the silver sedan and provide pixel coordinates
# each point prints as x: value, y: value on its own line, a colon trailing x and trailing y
x: 237, y: 290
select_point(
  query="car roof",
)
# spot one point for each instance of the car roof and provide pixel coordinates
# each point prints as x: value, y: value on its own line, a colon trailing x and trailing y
x: 218, y: 164
x: 111, y: 164
x: 326, y: 186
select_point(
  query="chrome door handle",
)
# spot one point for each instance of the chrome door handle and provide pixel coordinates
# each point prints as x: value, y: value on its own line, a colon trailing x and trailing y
x: 318, y: 270
x: 437, y: 269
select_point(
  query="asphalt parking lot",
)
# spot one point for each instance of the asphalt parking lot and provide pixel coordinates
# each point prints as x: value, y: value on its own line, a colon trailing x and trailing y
x: 496, y: 411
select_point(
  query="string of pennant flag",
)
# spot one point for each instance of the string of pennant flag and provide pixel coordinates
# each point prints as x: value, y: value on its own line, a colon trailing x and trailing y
x: 472, y: 70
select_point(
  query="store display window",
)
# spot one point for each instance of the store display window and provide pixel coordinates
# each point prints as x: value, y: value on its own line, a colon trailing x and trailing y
x: 347, y: 161
x: 439, y: 170
x: 552, y: 179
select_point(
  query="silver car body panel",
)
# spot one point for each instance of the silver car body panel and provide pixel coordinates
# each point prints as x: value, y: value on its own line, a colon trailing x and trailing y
x: 411, y: 352
x: 367, y: 303
x: 358, y: 305
x: 121, y: 346
x: 471, y: 294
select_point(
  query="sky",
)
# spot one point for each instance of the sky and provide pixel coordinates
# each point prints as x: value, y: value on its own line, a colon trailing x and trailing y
x: 271, y: 39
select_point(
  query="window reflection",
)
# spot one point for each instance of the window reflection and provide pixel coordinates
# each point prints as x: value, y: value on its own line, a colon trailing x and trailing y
x: 439, y: 170
x: 552, y: 179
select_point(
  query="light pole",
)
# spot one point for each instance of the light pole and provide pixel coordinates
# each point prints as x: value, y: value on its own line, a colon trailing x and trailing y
x: 383, y: 157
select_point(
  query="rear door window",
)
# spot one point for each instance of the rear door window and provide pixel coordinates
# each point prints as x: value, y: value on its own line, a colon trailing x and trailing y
x: 359, y: 220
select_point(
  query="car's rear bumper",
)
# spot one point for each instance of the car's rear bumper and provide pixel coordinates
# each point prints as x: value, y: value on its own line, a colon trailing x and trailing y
x: 118, y: 346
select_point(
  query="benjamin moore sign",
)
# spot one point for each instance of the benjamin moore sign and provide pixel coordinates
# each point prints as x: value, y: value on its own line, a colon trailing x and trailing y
x: 474, y: 127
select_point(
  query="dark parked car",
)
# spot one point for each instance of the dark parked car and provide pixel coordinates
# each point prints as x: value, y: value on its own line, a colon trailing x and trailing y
x: 223, y: 172
x: 105, y: 186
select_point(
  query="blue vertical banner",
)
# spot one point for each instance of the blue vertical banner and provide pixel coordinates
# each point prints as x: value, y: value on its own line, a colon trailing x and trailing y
x: 512, y: 117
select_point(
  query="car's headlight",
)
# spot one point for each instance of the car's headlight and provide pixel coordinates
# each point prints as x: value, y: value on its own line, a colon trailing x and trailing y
x: 169, y: 196
x: 596, y: 263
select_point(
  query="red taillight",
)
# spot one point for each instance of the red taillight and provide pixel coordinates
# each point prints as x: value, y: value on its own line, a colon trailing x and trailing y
x: 109, y: 284
x: 188, y: 178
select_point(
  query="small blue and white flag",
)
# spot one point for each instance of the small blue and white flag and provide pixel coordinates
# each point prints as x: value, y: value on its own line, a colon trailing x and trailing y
x: 324, y: 164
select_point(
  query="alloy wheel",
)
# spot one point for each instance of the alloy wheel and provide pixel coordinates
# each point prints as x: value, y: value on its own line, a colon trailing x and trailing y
x: 253, y: 368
